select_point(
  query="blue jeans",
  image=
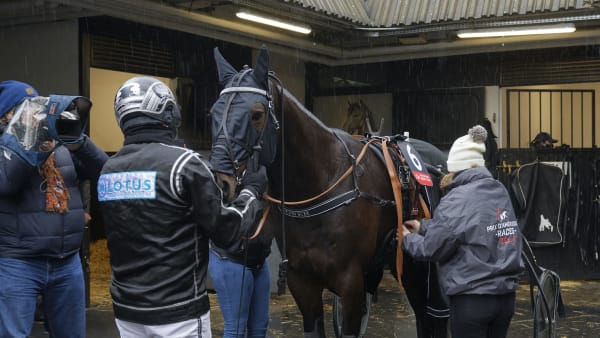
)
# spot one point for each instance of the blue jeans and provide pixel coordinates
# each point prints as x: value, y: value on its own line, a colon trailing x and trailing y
x: 253, y: 315
x: 59, y: 281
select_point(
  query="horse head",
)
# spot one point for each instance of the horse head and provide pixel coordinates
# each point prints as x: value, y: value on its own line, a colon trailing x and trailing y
x: 359, y: 119
x: 243, y: 124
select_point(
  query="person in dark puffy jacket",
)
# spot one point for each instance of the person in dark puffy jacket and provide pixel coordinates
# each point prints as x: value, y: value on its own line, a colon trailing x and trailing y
x: 161, y: 205
x: 42, y: 221
x: 476, y: 240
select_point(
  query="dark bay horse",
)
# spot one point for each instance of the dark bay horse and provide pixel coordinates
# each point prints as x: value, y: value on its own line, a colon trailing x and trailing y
x: 344, y: 217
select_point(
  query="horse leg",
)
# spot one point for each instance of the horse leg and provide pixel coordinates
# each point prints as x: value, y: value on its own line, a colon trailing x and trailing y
x: 352, y: 296
x: 308, y: 296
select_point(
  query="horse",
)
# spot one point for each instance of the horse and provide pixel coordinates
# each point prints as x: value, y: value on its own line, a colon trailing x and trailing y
x: 334, y: 214
x: 359, y: 119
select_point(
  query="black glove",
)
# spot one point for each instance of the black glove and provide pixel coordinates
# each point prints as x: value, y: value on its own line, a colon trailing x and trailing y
x: 255, y: 181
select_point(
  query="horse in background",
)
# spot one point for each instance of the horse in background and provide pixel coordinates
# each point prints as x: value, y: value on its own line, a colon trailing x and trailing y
x: 335, y: 214
x: 359, y: 119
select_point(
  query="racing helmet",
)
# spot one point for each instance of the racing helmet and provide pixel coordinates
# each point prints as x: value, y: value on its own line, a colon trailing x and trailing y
x: 145, y: 96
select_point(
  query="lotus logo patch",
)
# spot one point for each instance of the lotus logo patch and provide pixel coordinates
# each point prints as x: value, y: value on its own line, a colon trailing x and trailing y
x: 127, y: 185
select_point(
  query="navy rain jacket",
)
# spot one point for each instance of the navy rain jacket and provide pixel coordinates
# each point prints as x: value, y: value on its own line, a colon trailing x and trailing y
x: 26, y: 229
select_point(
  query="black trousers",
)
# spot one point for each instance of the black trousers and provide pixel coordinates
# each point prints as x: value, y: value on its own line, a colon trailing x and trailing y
x: 481, y: 316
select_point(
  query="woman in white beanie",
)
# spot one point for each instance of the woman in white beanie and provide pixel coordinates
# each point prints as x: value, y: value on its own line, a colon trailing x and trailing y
x: 476, y: 240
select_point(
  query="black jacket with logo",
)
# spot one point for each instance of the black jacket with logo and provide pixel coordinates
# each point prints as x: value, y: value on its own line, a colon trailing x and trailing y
x: 161, y: 205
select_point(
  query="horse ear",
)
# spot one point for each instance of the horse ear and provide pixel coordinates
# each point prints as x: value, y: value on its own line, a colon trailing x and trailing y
x: 261, y: 70
x: 225, y: 70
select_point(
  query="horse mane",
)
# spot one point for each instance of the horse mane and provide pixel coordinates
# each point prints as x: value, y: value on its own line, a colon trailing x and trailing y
x: 293, y: 101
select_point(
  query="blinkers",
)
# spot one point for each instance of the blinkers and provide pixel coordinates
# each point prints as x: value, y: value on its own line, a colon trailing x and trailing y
x: 244, y: 126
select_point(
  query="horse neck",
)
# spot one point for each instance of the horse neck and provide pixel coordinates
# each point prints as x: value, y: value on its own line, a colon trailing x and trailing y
x: 308, y: 145
x: 303, y: 130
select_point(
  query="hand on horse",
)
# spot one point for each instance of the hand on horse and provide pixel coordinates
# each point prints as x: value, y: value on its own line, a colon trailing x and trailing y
x: 412, y: 226
x: 255, y: 181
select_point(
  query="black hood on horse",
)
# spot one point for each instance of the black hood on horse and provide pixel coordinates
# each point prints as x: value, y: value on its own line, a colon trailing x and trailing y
x: 242, y: 122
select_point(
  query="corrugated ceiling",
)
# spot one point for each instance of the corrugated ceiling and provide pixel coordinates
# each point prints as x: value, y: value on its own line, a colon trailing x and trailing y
x: 393, y: 13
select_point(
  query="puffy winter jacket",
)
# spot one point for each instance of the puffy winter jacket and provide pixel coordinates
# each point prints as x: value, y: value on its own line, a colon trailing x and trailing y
x: 161, y: 205
x: 474, y: 236
x: 26, y: 229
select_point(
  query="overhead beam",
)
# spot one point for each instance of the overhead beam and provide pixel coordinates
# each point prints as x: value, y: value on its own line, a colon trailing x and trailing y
x: 156, y: 14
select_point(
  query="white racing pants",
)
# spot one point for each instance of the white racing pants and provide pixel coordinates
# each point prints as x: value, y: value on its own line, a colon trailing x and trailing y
x: 193, y: 328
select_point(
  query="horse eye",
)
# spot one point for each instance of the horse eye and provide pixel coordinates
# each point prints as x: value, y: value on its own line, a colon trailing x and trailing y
x: 257, y: 115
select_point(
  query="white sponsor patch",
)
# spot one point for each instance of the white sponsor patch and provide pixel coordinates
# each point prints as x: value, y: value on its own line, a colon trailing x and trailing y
x: 127, y: 185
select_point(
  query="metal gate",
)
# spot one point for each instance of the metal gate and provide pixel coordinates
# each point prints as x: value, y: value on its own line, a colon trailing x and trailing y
x: 568, y: 115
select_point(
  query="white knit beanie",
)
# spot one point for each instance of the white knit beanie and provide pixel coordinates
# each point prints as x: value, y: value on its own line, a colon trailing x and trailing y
x: 467, y: 151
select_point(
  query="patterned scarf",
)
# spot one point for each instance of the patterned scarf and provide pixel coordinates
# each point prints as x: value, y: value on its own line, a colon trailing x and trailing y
x: 57, y: 194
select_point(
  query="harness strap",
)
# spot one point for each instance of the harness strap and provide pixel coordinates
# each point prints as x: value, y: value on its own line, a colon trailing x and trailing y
x: 323, y: 207
x: 397, y: 190
x: 261, y: 223
x: 424, y: 207
x: 339, y: 180
x: 244, y: 90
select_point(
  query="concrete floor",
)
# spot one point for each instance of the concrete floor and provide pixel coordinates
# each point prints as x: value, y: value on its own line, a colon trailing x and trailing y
x: 391, y: 316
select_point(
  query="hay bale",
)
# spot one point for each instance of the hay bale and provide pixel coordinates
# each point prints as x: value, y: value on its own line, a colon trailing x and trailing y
x: 100, y: 272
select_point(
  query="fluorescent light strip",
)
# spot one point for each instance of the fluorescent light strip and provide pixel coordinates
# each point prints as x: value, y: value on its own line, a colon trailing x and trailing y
x: 516, y: 31
x: 274, y: 23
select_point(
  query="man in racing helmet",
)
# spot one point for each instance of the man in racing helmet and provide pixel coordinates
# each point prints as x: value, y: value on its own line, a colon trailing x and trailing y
x: 161, y: 205
x: 146, y: 101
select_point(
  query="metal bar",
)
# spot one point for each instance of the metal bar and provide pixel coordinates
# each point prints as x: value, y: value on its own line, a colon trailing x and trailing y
x: 519, y: 119
x: 582, y: 121
x: 540, y: 110
x: 561, y: 116
x: 508, y: 93
x: 529, y: 112
x: 551, y: 110
x: 561, y: 133
x: 572, y: 124
x: 593, y: 118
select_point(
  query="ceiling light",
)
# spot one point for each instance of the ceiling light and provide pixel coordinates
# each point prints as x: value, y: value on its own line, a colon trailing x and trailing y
x: 275, y: 23
x: 515, y: 31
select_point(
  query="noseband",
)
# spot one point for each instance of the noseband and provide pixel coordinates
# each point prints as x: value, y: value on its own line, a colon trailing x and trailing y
x: 235, y: 89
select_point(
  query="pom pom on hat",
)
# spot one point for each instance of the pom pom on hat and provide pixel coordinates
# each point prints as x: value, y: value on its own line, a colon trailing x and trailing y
x: 467, y: 151
x: 12, y: 93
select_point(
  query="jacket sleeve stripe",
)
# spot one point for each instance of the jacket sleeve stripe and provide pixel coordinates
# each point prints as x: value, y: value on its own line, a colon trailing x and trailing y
x: 175, y: 177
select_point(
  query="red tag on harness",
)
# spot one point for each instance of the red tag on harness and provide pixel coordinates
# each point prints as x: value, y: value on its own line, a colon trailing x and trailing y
x: 415, y: 164
x: 423, y: 178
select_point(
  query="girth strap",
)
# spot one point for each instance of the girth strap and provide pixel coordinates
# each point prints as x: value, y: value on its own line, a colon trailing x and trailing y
x: 321, y: 208
x: 397, y: 190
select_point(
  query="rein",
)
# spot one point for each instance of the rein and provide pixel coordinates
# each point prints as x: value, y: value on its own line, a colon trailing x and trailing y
x: 337, y: 182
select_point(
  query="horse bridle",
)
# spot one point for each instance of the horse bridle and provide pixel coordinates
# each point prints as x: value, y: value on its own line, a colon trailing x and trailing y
x: 254, y: 152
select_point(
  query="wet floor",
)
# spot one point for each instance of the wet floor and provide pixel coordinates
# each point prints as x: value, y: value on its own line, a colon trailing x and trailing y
x: 391, y: 316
